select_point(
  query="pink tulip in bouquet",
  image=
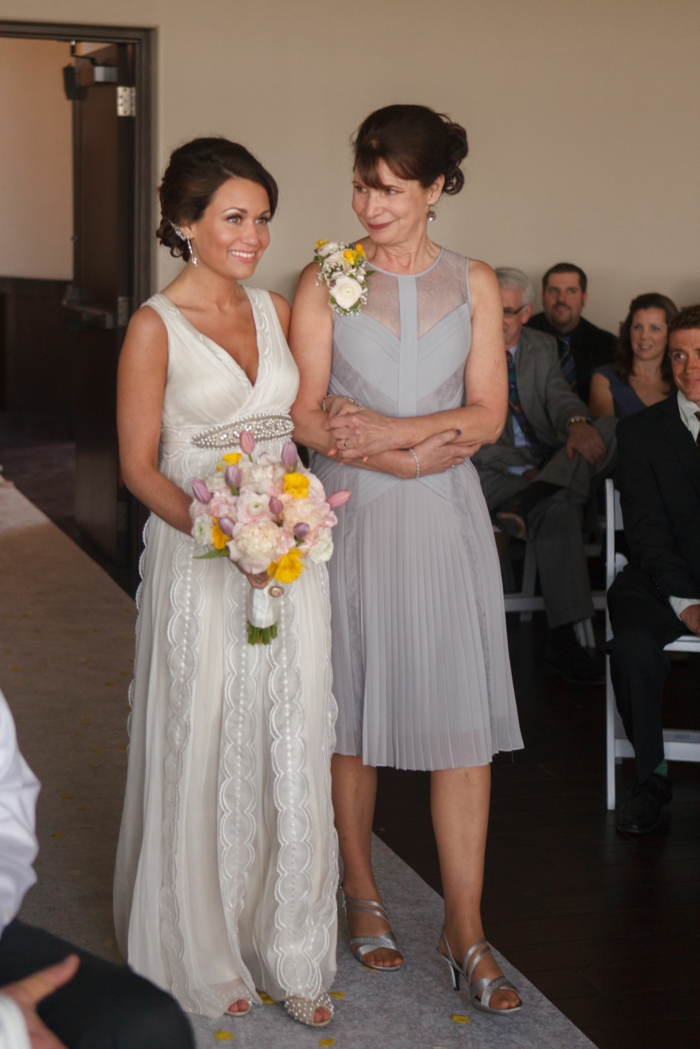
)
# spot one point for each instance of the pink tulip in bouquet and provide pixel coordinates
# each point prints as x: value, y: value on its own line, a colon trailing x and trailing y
x: 268, y: 515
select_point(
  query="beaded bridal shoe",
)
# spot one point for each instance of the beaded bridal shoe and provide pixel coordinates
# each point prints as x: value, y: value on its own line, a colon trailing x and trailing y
x: 303, y: 1009
x: 484, y: 987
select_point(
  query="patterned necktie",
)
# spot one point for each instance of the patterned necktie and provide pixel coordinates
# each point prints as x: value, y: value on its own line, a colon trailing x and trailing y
x: 566, y: 360
x: 514, y: 401
x: 697, y: 439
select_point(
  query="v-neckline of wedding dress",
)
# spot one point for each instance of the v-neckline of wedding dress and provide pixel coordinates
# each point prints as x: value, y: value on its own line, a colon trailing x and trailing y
x: 217, y: 347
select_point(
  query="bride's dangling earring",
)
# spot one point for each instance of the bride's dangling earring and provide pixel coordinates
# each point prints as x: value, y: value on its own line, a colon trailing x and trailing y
x: 432, y: 214
x: 188, y: 242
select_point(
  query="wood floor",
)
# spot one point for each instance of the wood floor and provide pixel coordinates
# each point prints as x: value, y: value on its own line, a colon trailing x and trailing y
x: 606, y: 926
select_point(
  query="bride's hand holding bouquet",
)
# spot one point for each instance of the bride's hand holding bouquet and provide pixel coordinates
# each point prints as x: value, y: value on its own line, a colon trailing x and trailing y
x: 269, y: 516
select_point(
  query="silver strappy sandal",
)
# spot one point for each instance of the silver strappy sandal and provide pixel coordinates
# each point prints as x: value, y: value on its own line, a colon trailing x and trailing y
x: 304, y: 1009
x: 367, y: 944
x: 486, y: 986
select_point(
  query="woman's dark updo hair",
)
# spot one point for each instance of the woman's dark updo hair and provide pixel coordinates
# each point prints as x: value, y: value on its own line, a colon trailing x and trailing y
x: 194, y: 173
x: 623, y: 363
x: 417, y: 143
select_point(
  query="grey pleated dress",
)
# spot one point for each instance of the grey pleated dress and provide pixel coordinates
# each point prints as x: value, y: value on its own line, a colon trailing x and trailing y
x: 421, y: 671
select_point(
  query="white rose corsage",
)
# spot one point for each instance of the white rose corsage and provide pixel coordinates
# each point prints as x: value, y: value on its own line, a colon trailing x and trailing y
x: 343, y: 268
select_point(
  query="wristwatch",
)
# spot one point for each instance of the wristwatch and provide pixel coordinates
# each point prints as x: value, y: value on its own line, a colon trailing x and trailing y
x: 579, y: 419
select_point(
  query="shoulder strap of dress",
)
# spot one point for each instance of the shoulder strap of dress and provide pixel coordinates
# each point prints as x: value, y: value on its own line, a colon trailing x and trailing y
x: 163, y: 307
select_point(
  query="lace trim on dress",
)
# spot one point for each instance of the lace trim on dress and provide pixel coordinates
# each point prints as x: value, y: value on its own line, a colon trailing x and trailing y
x: 324, y: 913
x: 296, y: 970
x: 237, y: 791
x: 184, y: 633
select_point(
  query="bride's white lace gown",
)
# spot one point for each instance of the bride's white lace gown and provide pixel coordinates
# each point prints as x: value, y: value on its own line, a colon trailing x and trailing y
x: 227, y: 860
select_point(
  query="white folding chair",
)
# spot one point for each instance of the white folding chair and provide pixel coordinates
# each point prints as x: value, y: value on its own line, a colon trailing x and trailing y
x: 679, y: 745
x: 525, y: 601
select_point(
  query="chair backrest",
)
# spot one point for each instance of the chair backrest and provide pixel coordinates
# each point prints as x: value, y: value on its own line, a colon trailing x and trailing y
x: 614, y: 562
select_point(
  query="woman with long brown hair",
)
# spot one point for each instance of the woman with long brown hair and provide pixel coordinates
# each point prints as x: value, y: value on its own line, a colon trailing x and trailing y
x: 640, y: 375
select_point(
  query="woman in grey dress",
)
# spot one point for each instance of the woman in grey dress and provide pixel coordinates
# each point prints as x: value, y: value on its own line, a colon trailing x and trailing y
x: 394, y: 399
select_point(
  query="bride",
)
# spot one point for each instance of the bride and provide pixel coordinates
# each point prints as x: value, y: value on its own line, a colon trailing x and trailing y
x: 226, y: 867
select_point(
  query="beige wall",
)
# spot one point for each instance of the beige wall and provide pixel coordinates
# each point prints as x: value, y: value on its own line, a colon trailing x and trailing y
x: 583, y: 119
x: 36, y: 192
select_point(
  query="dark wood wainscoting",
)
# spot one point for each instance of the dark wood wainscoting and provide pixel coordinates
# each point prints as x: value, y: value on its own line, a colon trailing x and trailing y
x: 36, y: 357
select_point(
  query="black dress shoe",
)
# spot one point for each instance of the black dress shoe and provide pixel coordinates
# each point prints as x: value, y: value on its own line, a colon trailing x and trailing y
x: 575, y: 664
x: 641, y: 811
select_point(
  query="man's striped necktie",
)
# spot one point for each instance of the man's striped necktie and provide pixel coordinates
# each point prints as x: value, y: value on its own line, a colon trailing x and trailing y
x: 566, y: 360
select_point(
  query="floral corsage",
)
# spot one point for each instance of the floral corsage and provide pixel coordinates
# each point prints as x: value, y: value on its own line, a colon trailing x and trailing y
x: 343, y: 268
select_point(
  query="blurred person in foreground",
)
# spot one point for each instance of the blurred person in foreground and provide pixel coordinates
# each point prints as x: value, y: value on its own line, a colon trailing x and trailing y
x: 656, y: 598
x: 640, y: 374
x: 53, y: 995
x: 537, y: 476
x: 582, y: 345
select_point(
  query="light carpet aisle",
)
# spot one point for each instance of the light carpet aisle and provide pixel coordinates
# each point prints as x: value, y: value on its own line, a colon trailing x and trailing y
x: 66, y: 645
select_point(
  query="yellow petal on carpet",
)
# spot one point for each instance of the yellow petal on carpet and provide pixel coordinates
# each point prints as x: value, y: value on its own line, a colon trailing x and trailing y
x: 109, y: 682
x: 99, y: 750
x: 266, y: 998
x: 81, y: 808
x: 79, y: 735
x: 368, y: 968
x: 68, y: 796
x: 121, y: 746
x: 337, y: 994
x: 461, y: 1019
x: 327, y: 1041
x: 58, y: 834
x: 88, y: 661
x: 86, y: 721
x: 223, y: 1036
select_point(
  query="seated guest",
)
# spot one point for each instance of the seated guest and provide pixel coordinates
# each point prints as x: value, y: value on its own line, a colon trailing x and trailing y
x: 51, y: 993
x: 640, y: 375
x: 537, y: 476
x: 582, y: 346
x: 656, y: 598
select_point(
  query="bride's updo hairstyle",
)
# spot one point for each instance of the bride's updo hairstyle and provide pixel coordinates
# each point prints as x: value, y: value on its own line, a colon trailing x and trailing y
x: 194, y: 173
x: 417, y: 143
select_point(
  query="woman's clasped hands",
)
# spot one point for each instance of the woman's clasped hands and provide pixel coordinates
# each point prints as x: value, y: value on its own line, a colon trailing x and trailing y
x: 358, y: 433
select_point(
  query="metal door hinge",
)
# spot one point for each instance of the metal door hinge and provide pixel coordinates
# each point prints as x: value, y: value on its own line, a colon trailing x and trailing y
x: 123, y: 310
x: 126, y: 101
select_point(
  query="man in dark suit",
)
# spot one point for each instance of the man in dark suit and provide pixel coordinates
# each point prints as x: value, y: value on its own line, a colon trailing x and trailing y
x: 582, y: 346
x: 656, y: 598
x: 537, y: 477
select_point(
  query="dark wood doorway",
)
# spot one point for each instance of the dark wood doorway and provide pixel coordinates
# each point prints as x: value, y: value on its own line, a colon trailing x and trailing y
x: 109, y: 84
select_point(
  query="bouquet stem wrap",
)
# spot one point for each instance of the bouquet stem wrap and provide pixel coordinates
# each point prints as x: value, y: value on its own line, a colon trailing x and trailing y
x: 263, y: 611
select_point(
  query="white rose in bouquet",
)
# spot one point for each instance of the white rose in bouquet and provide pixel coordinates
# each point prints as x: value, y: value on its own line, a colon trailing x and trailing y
x: 322, y: 550
x: 202, y: 530
x: 331, y: 248
x: 346, y: 291
x: 255, y: 545
x: 259, y: 476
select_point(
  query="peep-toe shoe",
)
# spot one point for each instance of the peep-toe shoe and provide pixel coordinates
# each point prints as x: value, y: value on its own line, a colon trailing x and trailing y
x: 484, y: 987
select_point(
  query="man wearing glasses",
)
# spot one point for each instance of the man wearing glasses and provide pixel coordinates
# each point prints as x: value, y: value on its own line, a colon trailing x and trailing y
x: 538, y: 475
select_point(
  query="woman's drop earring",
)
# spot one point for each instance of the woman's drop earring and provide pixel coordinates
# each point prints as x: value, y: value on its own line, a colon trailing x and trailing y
x: 181, y: 235
x: 432, y: 214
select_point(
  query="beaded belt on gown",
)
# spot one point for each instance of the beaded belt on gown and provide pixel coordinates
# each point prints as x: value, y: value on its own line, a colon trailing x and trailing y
x: 265, y: 426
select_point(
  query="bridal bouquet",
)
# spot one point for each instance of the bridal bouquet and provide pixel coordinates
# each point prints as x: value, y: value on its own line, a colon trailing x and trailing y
x: 268, y: 515
x: 343, y: 268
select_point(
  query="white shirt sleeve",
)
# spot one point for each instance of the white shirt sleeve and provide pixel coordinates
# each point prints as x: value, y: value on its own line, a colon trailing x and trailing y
x: 679, y: 604
x: 13, y: 1030
x: 18, y: 845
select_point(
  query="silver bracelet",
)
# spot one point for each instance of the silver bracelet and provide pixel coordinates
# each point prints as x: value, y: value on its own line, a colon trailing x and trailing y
x: 417, y: 463
x: 351, y: 400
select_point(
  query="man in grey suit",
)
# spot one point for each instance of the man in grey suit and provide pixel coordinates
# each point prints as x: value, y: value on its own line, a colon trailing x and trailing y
x: 537, y: 477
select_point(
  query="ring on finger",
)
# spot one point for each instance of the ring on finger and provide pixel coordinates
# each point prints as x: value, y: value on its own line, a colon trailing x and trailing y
x: 345, y: 444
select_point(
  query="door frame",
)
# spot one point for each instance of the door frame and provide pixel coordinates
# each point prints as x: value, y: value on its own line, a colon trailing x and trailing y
x: 143, y: 39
